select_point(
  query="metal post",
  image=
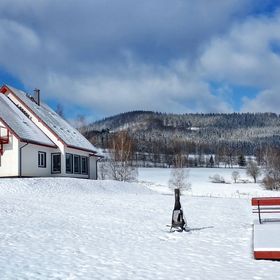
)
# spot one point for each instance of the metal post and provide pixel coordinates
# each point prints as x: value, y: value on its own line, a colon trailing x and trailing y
x: 259, y: 210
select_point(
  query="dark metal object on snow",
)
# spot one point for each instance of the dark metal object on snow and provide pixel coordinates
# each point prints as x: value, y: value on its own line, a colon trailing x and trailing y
x: 178, y: 220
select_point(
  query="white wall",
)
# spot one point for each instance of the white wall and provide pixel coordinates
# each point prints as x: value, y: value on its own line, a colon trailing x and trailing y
x: 29, y: 155
x: 10, y: 159
x: 91, y: 166
x: 29, y: 160
x: 31, y: 167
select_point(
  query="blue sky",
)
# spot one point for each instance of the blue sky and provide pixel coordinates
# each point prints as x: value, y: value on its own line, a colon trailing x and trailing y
x: 98, y: 58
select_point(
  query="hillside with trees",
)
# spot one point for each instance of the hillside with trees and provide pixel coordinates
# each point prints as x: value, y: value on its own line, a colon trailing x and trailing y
x: 203, y: 139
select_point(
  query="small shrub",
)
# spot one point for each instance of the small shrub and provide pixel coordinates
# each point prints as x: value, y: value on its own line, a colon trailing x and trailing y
x: 235, y: 176
x: 271, y: 183
x: 217, y: 179
x: 253, y: 170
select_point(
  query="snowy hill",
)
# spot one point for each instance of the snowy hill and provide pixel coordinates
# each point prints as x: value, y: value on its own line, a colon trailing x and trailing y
x: 63, y: 228
x: 160, y: 133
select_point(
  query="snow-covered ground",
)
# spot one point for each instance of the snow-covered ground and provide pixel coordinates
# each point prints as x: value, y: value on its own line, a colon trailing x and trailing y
x: 157, y: 180
x: 81, y: 229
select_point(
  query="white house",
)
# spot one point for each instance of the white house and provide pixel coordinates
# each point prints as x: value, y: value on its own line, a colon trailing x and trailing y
x: 36, y: 141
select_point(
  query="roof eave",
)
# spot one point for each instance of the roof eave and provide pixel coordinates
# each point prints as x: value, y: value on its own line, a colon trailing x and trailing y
x: 81, y: 149
x: 38, y: 143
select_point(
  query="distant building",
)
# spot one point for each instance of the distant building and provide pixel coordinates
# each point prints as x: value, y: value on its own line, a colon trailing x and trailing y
x: 36, y: 141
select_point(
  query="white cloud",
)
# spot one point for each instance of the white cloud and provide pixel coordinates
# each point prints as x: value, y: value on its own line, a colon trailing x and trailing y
x: 174, y: 89
x: 245, y: 57
x: 266, y: 101
x: 154, y: 55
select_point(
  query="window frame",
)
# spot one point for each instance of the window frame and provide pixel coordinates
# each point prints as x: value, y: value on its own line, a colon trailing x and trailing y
x: 71, y: 163
x: 52, y: 164
x: 42, y: 158
x: 84, y: 172
x: 79, y: 164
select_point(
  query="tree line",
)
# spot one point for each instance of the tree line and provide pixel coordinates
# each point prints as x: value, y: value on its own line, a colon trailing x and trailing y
x: 203, y: 140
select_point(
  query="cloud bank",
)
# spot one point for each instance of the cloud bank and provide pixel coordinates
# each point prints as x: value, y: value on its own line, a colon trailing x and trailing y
x: 115, y: 56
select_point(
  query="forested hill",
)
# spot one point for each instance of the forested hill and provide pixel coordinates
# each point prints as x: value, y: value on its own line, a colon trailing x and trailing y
x: 153, y: 131
x: 148, y: 119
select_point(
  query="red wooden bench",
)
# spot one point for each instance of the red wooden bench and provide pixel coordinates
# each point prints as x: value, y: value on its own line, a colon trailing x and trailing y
x: 265, y: 205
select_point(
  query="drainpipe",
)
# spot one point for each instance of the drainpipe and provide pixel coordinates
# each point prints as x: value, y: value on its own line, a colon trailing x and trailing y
x: 20, y: 158
x: 99, y: 158
x: 96, y: 167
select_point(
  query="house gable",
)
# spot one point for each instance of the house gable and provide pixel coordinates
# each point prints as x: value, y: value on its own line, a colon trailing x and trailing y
x: 36, y: 133
x: 57, y: 129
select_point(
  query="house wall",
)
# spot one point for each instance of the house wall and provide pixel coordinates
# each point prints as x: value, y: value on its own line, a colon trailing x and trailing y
x: 30, y: 153
x: 91, y: 166
x: 9, y: 166
x: 29, y: 160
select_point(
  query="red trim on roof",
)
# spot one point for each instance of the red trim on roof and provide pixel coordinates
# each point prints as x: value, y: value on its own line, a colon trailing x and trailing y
x: 26, y: 140
x: 3, y: 89
x: 40, y: 120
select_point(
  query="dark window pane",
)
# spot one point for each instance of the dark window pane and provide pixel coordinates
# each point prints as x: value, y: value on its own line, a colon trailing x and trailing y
x: 42, y: 159
x: 69, y: 163
x: 84, y: 165
x: 56, y: 163
x: 77, y: 164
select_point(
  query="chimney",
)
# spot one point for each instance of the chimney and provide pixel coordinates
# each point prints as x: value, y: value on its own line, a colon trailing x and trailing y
x: 37, y: 96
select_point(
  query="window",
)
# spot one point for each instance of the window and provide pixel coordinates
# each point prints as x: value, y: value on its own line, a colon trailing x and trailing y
x: 56, y: 163
x: 84, y: 165
x: 77, y: 164
x: 42, y: 163
x: 69, y: 163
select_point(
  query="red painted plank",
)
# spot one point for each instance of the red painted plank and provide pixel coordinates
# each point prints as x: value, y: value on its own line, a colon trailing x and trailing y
x: 265, y: 201
x: 267, y: 255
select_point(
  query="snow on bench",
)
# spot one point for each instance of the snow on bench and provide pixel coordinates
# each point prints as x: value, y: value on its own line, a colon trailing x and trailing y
x: 266, y: 239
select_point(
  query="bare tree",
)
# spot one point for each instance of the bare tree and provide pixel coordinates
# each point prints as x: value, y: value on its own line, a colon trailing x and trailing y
x: 179, y: 176
x: 235, y: 176
x: 121, y: 155
x: 253, y: 170
x: 271, y: 179
x: 103, y: 169
x: 179, y: 179
x: 60, y: 110
x: 179, y: 160
x: 80, y: 123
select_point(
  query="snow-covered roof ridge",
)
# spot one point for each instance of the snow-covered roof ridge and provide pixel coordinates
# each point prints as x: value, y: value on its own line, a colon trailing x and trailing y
x: 60, y: 127
x: 20, y: 124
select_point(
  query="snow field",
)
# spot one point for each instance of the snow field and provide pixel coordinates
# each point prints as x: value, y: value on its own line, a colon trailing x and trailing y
x: 80, y: 229
x: 157, y: 180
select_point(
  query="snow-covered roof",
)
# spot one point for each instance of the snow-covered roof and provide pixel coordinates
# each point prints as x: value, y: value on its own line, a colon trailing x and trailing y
x: 69, y: 135
x: 19, y: 123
